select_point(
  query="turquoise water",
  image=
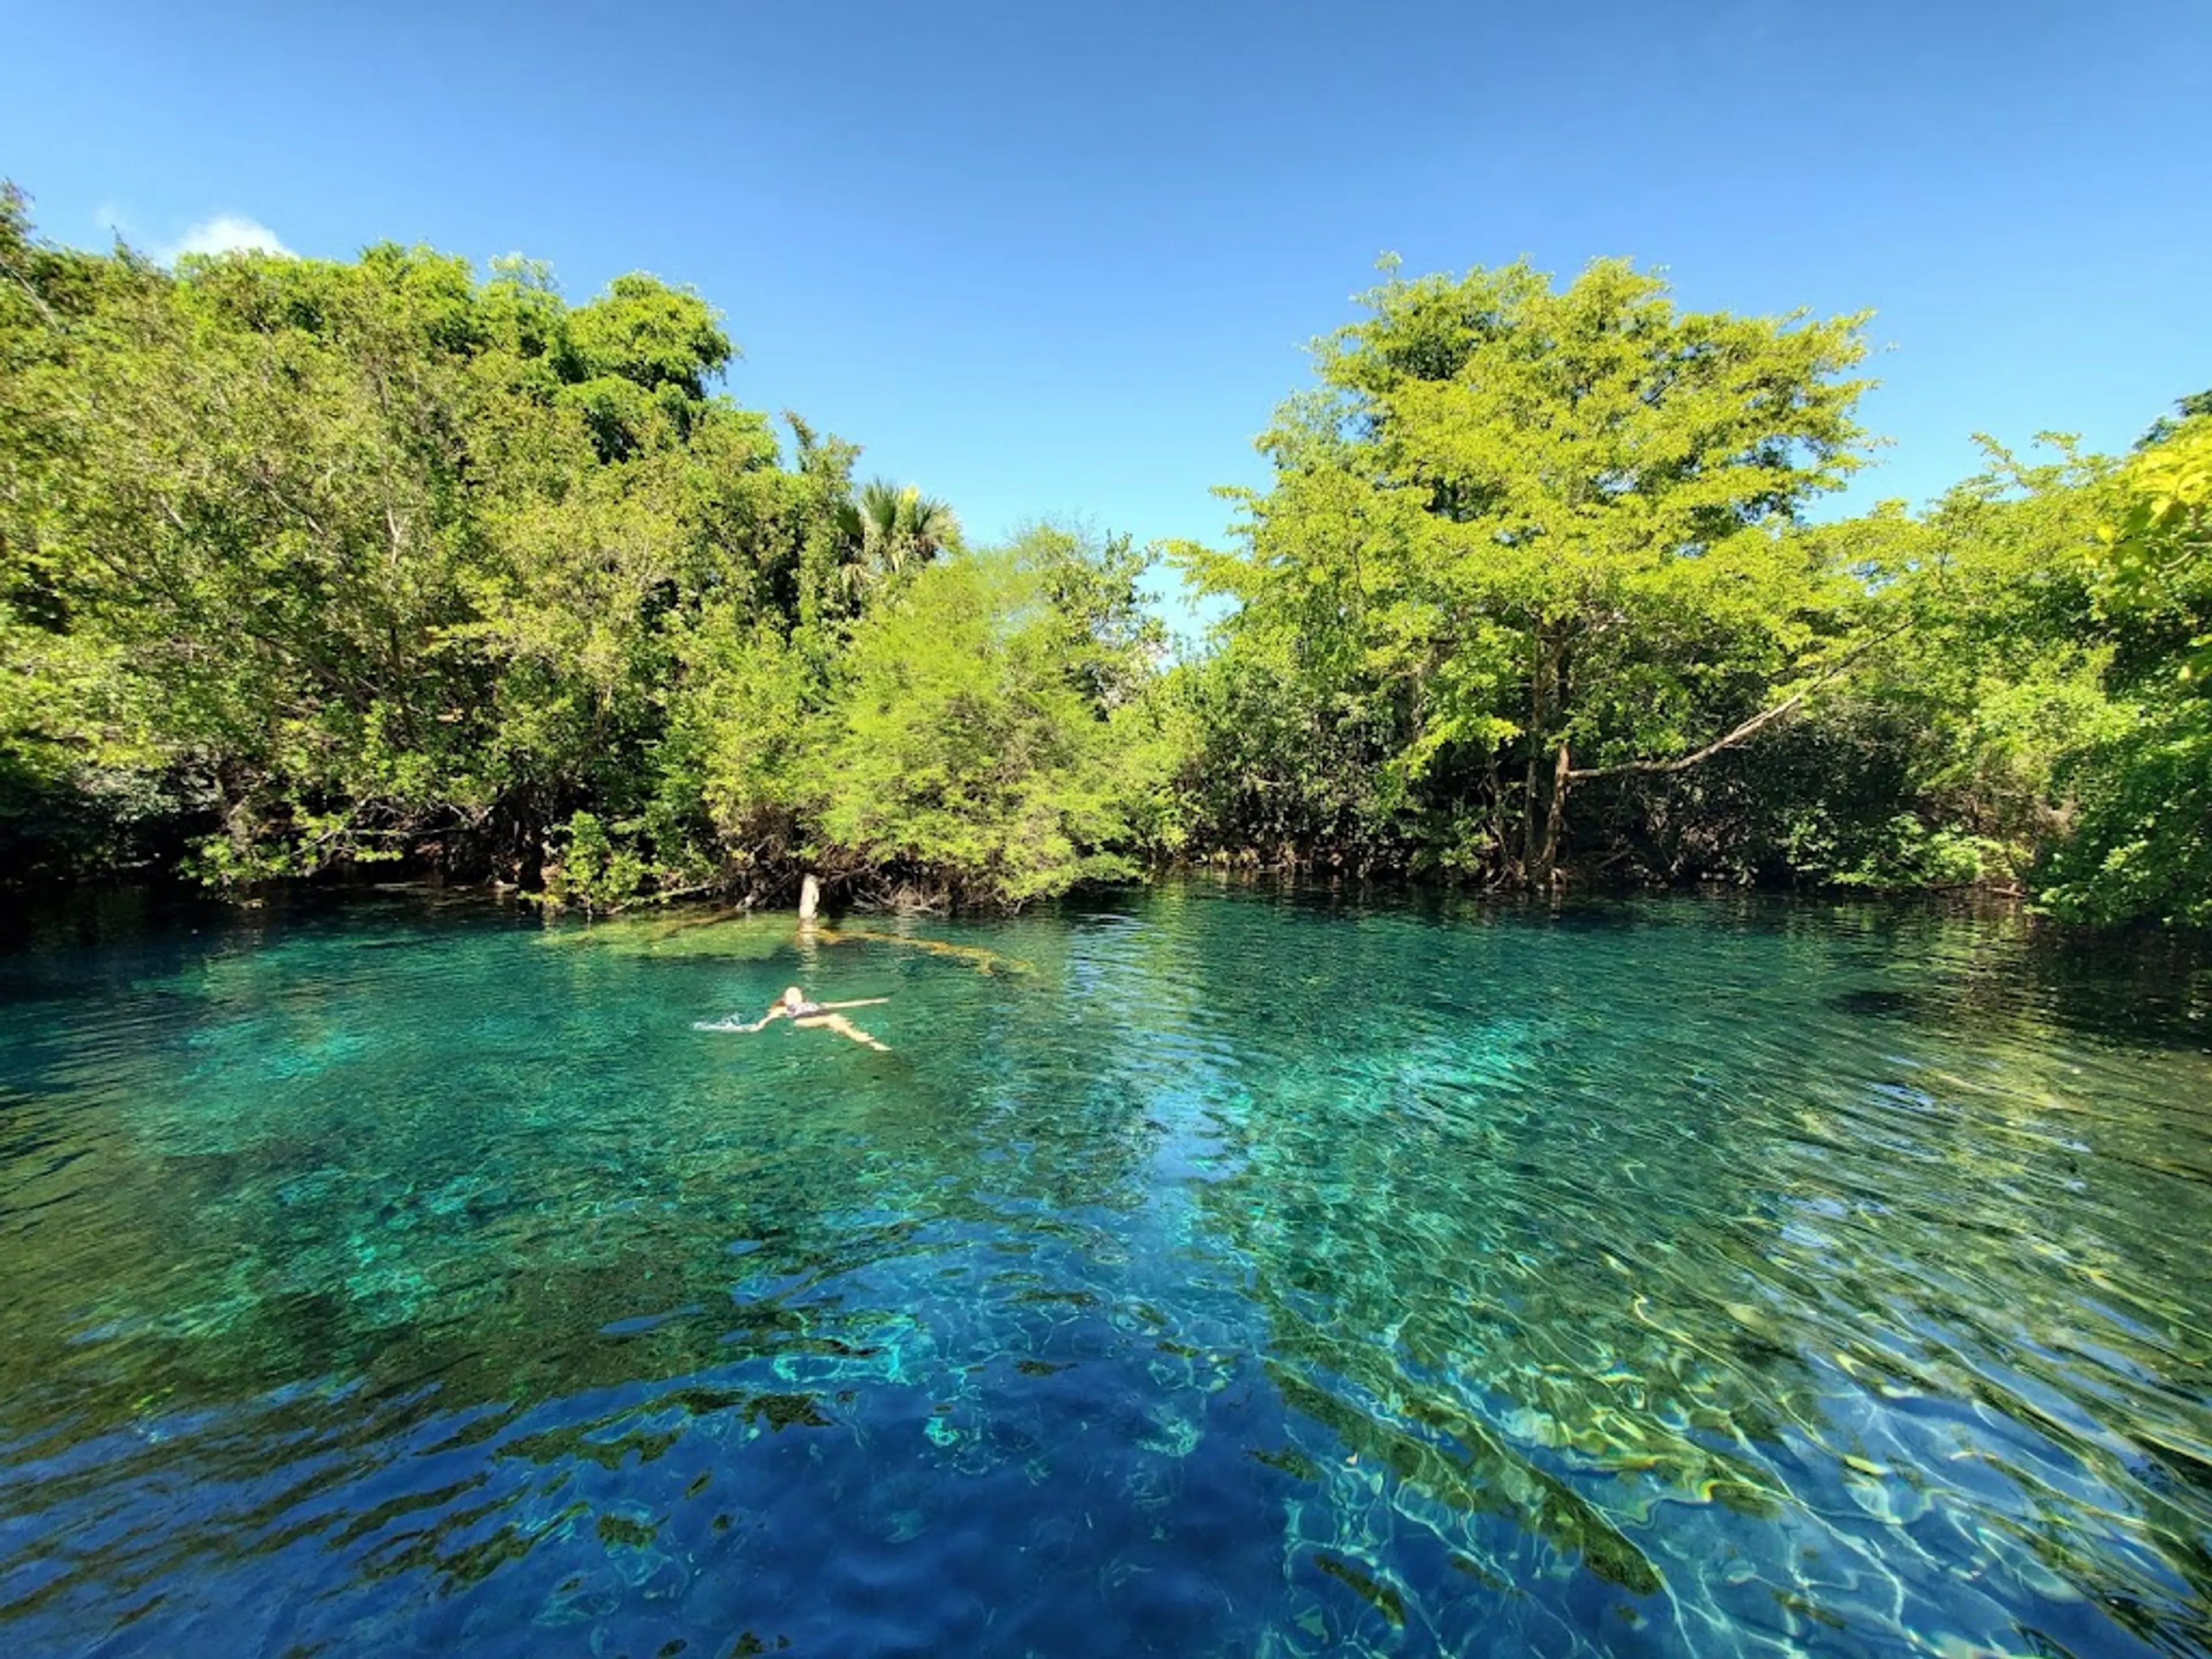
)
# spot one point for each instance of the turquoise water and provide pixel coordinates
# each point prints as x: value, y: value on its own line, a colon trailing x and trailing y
x: 1214, y: 1274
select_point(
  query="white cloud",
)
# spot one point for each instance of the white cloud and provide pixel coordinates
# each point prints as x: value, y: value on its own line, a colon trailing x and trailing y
x: 227, y: 233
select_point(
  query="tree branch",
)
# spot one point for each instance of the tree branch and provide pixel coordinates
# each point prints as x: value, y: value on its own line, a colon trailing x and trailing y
x: 1758, y: 722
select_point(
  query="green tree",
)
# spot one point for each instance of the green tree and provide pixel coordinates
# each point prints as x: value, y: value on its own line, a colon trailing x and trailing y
x: 2140, y: 845
x: 970, y: 760
x: 1518, y: 525
x: 1936, y: 762
x: 893, y: 529
x: 372, y: 559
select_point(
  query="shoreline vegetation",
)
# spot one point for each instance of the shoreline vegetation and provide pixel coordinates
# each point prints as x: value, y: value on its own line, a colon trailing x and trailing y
x: 312, y: 570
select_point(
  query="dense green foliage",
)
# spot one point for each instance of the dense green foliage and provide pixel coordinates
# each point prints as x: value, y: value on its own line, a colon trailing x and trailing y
x: 1534, y: 594
x: 308, y: 566
x: 2140, y: 841
x: 1518, y: 525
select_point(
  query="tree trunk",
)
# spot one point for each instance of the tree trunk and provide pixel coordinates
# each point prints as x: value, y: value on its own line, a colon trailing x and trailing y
x: 1546, y: 873
x: 1546, y: 802
x: 1534, y: 807
x: 1501, y: 822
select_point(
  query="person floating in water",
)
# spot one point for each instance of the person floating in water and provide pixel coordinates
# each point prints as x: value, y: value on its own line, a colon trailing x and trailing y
x: 805, y: 1015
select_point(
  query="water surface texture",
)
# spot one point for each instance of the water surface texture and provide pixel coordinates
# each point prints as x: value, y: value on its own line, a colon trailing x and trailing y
x: 1212, y: 1275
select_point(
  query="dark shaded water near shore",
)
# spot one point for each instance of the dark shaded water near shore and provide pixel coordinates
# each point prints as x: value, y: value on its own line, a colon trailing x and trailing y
x: 1212, y: 1274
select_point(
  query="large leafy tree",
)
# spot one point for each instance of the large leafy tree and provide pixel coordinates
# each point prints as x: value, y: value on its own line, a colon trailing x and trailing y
x: 76, y: 787
x: 383, y: 542
x: 1524, y: 536
x: 2140, y: 846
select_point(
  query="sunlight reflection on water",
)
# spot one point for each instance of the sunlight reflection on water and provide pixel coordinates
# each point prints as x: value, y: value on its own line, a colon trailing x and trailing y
x: 1207, y: 1274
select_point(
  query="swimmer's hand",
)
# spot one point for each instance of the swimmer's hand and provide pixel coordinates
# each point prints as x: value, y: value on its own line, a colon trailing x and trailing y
x: 727, y: 1024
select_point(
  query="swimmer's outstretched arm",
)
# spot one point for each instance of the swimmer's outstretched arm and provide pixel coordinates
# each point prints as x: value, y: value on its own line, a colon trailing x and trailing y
x: 731, y: 1024
x: 864, y: 1002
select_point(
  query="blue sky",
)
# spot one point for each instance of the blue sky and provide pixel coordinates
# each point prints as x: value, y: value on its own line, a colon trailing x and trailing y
x: 1061, y: 259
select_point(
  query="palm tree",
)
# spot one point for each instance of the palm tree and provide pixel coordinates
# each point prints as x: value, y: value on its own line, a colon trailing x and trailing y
x: 893, y: 529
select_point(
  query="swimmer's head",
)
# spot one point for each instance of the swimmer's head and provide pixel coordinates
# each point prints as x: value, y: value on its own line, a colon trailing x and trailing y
x: 792, y: 996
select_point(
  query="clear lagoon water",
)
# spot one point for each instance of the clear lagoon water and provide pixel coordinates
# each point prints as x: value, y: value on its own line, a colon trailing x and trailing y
x: 1203, y: 1273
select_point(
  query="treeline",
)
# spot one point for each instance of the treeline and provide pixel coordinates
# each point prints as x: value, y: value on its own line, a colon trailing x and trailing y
x: 1533, y: 591
x: 308, y: 566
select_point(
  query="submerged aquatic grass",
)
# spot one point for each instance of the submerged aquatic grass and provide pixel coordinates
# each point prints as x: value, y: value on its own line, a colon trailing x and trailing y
x: 1210, y: 1275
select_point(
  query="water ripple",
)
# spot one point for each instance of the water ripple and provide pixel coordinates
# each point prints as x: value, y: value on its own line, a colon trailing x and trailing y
x: 1208, y: 1275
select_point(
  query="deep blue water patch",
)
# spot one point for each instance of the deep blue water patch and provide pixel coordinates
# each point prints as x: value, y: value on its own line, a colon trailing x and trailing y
x: 1206, y: 1275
